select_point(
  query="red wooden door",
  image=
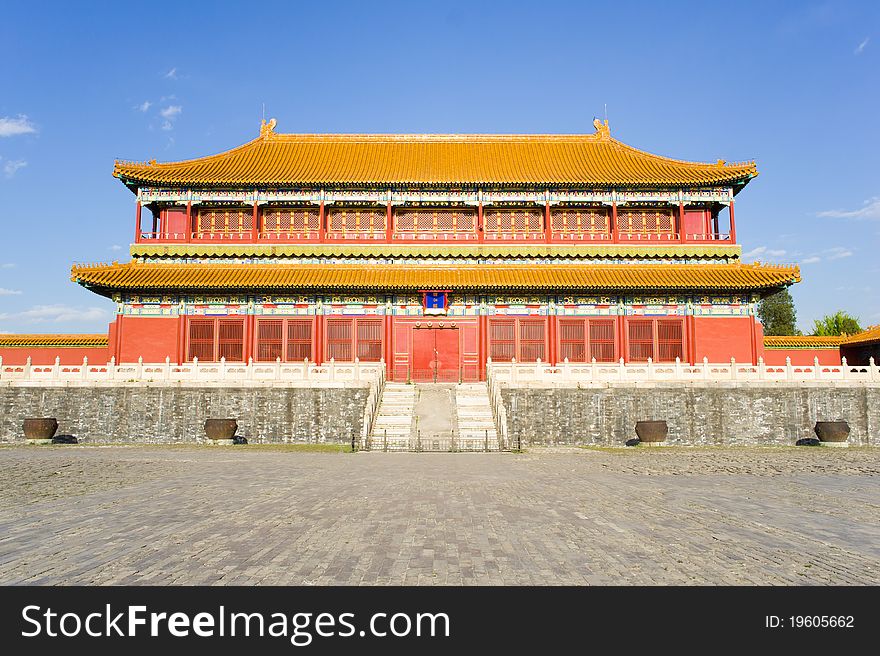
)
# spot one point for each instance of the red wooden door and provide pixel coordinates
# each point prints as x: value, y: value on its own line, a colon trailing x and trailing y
x: 435, y: 356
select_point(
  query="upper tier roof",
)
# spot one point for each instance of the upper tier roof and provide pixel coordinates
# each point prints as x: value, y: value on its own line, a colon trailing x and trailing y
x: 434, y: 159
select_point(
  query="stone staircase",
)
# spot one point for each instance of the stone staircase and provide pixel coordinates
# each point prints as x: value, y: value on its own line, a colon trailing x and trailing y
x: 394, y: 423
x: 434, y: 417
x: 476, y: 427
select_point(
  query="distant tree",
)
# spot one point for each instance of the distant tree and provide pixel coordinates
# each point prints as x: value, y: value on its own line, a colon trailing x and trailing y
x: 778, y: 315
x: 836, y: 324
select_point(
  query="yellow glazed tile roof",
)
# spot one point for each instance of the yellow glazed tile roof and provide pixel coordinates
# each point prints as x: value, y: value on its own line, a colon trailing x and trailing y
x: 434, y: 250
x: 384, y: 159
x: 868, y: 336
x: 133, y: 276
x: 801, y: 342
x: 37, y: 340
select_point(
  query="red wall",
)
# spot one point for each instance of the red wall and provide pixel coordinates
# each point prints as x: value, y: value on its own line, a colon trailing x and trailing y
x: 802, y: 357
x: 152, y: 338
x: 47, y: 354
x: 722, y: 338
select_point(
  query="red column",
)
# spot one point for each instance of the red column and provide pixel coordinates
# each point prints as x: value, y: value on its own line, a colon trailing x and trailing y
x: 137, y: 223
x: 682, y: 233
x: 551, y: 335
x: 732, y: 225
x: 483, y: 347
x: 255, y: 228
x: 119, y: 318
x: 319, y: 338
x: 548, y: 228
x: 181, y: 341
x: 321, y: 231
x: 754, y: 341
x: 481, y: 233
x: 189, y: 224
x: 389, y: 228
x: 621, y: 337
x: 691, y: 353
x: 389, y: 356
x: 615, y: 232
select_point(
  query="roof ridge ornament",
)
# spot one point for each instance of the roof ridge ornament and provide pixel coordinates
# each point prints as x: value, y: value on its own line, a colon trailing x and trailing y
x: 267, y: 129
x: 603, y: 131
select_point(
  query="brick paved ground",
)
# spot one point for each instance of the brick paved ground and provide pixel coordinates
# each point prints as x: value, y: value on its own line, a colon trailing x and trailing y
x: 244, y: 515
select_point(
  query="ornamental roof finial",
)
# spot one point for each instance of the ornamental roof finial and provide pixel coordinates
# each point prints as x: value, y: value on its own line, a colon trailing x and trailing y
x: 602, y: 129
x: 267, y: 129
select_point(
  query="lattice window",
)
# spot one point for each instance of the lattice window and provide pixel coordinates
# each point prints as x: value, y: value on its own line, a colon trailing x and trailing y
x: 502, y: 340
x: 356, y: 219
x: 201, y: 340
x: 224, y: 220
x: 648, y: 220
x: 659, y: 339
x: 531, y: 340
x: 299, y: 340
x: 579, y: 219
x: 231, y: 339
x: 670, y: 341
x: 435, y: 221
x: 572, y: 340
x: 641, y: 340
x: 513, y: 220
x: 339, y: 342
x: 369, y: 339
x: 581, y: 340
x: 290, y: 219
x: 602, y: 340
x: 269, y: 340
x: 212, y: 339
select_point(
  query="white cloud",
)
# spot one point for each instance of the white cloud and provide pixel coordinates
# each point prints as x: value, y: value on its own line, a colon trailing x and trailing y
x: 10, y: 127
x: 838, y: 252
x: 870, y: 210
x: 7, y: 265
x: 144, y: 106
x: 170, y: 115
x: 861, y: 47
x: 763, y: 250
x: 9, y: 292
x: 812, y: 260
x: 11, y: 167
x: 172, y: 74
x: 57, y: 314
x: 171, y: 112
x: 115, y: 247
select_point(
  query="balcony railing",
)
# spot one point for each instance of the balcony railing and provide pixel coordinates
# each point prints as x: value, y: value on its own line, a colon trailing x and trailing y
x: 412, y: 236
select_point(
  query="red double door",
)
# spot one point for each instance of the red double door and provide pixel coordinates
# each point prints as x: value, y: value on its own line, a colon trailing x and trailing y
x: 436, y: 355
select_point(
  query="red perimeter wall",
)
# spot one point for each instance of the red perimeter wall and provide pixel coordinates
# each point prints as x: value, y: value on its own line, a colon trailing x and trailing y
x: 802, y: 357
x: 47, y: 354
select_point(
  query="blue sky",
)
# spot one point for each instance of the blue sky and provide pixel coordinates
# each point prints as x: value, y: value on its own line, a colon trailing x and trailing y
x: 794, y: 85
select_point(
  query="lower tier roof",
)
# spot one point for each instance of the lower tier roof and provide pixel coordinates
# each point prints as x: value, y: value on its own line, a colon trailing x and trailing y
x: 801, y: 341
x: 106, y: 278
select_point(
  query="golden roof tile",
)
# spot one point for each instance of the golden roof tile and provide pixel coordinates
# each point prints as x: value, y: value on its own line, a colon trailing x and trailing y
x: 193, y: 276
x: 56, y: 340
x: 801, y: 342
x: 312, y: 160
x: 869, y: 336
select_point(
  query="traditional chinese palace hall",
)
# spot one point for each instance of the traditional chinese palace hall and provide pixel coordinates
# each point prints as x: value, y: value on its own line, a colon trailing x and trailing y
x: 434, y: 253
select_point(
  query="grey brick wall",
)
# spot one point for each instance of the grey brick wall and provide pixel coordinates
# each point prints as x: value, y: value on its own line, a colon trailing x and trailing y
x: 163, y: 414
x: 745, y: 414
